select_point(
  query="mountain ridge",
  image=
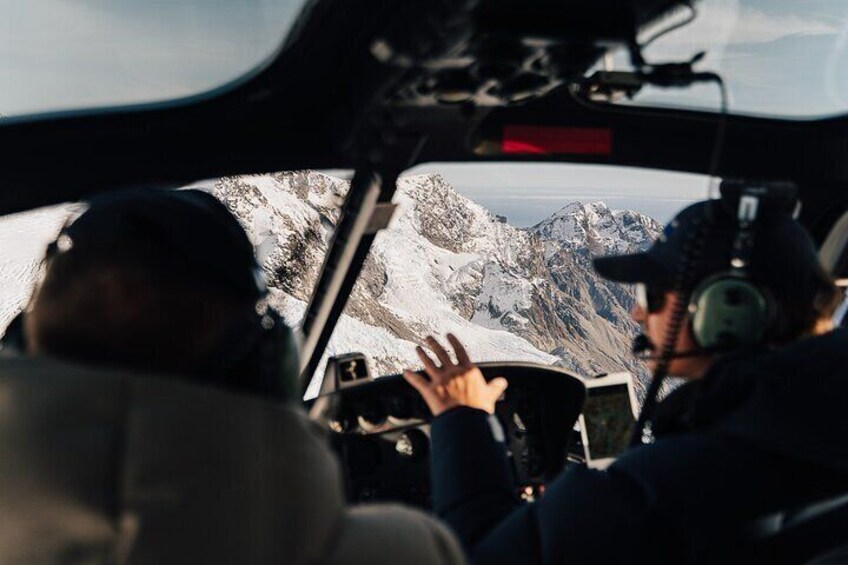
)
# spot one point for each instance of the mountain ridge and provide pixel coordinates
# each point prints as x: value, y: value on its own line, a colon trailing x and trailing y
x: 448, y: 264
x: 445, y: 264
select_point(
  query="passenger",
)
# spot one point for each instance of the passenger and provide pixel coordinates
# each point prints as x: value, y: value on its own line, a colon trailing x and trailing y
x: 166, y: 282
x: 752, y: 431
x: 159, y: 282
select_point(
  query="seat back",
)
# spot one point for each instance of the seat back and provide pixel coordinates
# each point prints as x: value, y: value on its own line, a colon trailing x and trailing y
x: 98, y: 466
x: 58, y: 436
x: 817, y: 533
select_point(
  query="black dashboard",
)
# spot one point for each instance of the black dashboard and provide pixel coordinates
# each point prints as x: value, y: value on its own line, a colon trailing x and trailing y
x: 380, y: 430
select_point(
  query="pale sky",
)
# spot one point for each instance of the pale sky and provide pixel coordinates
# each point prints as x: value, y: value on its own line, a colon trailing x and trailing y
x: 527, y: 193
x: 70, y: 54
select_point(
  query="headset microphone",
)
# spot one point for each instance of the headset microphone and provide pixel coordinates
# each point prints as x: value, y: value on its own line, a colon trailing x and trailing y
x: 641, y: 344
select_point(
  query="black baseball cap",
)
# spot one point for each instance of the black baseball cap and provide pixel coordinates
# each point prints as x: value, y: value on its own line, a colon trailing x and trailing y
x: 782, y: 247
x: 186, y: 234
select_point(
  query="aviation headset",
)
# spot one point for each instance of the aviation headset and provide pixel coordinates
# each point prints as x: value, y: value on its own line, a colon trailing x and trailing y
x: 728, y: 308
x: 731, y: 308
x: 259, y: 352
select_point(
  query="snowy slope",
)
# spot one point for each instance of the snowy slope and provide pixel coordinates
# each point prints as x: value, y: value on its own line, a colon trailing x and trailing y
x: 23, y: 240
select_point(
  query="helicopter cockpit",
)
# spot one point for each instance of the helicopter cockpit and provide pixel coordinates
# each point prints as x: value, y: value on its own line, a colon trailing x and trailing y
x: 343, y: 136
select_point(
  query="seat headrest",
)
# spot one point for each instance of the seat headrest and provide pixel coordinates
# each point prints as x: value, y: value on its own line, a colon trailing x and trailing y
x: 97, y: 463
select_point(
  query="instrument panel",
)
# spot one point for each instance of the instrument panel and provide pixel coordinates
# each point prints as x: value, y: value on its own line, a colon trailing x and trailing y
x: 380, y: 429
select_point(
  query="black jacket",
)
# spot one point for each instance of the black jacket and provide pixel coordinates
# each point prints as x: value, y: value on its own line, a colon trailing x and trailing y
x: 759, y: 433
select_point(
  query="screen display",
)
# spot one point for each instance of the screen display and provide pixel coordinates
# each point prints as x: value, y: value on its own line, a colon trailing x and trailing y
x: 608, y: 419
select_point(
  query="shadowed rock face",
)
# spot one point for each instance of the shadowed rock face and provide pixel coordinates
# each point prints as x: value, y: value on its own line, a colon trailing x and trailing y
x: 447, y: 264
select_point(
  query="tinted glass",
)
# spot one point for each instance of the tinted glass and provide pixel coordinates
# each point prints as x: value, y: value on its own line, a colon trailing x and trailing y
x: 781, y: 58
x: 74, y: 54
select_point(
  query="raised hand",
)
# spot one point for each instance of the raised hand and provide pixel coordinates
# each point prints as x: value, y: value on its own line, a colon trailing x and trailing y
x: 453, y: 384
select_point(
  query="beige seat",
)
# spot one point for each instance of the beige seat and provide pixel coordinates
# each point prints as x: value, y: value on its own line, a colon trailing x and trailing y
x: 99, y: 467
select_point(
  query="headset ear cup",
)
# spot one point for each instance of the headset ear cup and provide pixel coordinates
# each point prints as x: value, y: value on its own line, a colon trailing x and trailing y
x: 260, y: 355
x: 729, y: 311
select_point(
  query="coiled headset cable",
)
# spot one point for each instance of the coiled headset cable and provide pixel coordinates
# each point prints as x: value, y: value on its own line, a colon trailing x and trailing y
x: 692, y: 251
x: 684, y: 282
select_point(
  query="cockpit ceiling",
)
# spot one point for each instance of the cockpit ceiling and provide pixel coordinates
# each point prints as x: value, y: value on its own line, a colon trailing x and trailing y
x: 60, y: 56
x: 363, y: 82
x: 344, y: 56
x: 499, y: 52
x: 774, y: 60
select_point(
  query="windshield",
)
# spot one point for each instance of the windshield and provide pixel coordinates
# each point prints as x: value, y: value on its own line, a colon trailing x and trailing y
x: 778, y: 58
x: 76, y: 54
x: 500, y: 255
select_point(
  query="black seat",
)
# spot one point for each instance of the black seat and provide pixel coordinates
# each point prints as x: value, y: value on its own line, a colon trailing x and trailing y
x: 817, y: 533
x: 97, y: 466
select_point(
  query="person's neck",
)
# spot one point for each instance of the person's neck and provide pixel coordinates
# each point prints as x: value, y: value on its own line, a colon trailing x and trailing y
x: 697, y: 368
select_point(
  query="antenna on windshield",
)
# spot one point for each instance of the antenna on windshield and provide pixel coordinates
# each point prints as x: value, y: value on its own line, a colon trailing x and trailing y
x: 608, y: 86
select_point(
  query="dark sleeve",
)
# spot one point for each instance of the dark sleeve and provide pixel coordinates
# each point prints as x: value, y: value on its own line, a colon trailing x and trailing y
x: 473, y: 488
x: 584, y: 516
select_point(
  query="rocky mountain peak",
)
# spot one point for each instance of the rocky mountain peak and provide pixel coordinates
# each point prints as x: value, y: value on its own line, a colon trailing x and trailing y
x: 597, y: 228
x: 449, y: 219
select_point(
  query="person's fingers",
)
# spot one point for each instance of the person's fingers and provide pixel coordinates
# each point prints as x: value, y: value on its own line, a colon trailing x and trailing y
x: 461, y: 354
x: 429, y: 366
x: 429, y: 392
x: 457, y: 387
x: 440, y: 352
x: 498, y: 385
x: 417, y: 382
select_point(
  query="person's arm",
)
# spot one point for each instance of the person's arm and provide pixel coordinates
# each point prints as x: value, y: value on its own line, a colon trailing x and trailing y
x: 472, y: 483
x: 473, y: 488
x: 585, y: 515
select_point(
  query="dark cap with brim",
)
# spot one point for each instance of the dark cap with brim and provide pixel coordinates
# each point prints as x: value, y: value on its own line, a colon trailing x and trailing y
x: 633, y: 268
x: 789, y: 248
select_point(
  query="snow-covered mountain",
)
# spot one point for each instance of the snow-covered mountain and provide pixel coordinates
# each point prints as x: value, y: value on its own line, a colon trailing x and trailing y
x: 447, y: 264
x: 596, y: 229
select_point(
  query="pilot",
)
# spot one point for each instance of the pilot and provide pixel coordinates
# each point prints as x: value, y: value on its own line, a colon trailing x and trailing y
x: 160, y: 282
x: 753, y: 430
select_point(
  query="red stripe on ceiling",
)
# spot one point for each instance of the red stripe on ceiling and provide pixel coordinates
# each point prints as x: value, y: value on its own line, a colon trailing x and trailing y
x: 545, y: 140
